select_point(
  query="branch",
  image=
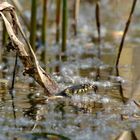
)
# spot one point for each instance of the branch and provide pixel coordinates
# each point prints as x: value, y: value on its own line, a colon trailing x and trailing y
x: 29, y: 60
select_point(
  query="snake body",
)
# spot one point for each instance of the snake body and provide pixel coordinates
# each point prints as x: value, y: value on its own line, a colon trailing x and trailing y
x: 78, y: 89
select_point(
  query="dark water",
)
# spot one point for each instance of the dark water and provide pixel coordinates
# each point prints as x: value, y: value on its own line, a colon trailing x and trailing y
x: 27, y: 114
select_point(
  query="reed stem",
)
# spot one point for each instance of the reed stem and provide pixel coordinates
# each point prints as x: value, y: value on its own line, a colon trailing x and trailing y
x: 14, y: 73
x: 64, y: 30
x: 58, y: 14
x: 75, y: 15
x: 98, y: 25
x: 125, y: 32
x: 33, y: 24
x: 44, y: 28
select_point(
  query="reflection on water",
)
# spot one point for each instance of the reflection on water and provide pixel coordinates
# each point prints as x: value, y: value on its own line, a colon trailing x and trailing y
x: 101, y: 115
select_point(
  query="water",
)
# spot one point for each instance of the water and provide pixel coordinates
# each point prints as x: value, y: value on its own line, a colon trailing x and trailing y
x: 27, y: 114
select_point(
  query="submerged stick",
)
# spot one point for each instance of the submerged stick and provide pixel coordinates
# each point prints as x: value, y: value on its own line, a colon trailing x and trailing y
x: 64, y: 30
x: 14, y: 73
x: 125, y: 31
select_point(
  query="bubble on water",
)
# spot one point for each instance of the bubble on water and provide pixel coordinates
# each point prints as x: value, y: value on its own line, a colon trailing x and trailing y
x: 104, y: 84
x: 119, y: 79
x: 105, y: 100
x: 38, y: 94
x: 130, y: 108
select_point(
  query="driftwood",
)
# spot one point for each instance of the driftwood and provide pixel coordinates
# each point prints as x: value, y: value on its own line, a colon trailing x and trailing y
x: 28, y: 58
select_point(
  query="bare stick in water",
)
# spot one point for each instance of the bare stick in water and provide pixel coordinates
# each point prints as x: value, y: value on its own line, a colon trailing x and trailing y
x: 28, y: 58
x: 121, y: 46
x: 58, y: 16
x: 98, y: 24
x: 125, y: 31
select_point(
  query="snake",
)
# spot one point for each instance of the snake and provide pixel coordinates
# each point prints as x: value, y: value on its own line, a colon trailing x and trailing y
x: 78, y: 90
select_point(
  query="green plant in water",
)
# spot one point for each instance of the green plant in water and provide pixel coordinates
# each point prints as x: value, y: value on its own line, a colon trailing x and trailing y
x: 64, y: 30
x: 58, y: 9
x: 76, y: 6
x: 33, y: 24
x: 44, y: 28
x: 58, y: 16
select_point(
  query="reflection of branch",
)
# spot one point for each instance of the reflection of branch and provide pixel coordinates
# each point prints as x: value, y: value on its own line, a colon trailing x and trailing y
x: 12, y: 87
x: 13, y: 106
x: 120, y: 86
x: 125, y: 31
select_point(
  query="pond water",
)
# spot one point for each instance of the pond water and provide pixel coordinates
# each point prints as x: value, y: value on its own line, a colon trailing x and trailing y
x: 27, y: 114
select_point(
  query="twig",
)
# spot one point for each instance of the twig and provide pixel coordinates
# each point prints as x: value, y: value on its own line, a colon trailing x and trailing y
x: 29, y: 60
x: 125, y: 31
x: 14, y: 73
x: 12, y: 87
x: 98, y: 24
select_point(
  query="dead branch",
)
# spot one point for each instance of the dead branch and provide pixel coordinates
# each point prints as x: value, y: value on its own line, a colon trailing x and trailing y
x: 29, y: 60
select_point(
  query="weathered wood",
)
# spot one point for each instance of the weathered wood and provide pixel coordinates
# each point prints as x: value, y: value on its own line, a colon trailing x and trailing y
x: 29, y: 60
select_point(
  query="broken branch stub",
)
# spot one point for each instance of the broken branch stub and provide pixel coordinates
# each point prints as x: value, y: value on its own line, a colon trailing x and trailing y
x: 29, y: 60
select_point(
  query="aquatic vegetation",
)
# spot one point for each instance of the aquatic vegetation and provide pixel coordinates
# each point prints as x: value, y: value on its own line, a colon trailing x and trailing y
x: 81, y: 97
